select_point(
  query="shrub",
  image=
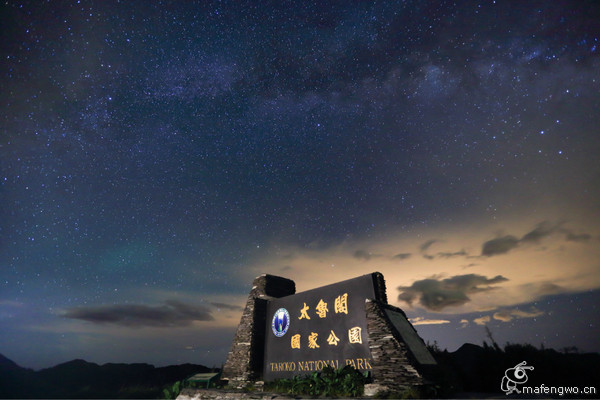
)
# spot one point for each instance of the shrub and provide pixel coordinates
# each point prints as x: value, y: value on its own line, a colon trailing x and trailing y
x: 329, y: 382
x: 173, y: 391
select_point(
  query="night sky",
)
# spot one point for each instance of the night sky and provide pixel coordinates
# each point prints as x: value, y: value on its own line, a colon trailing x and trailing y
x: 156, y: 156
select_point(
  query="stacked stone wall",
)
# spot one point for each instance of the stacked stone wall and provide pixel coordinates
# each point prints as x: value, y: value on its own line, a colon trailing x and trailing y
x: 393, y: 364
x: 245, y: 359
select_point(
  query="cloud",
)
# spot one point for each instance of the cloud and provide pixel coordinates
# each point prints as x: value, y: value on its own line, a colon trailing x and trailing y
x: 434, y: 294
x: 228, y: 306
x: 444, y: 254
x: 423, y: 247
x: 544, y: 229
x: 541, y: 231
x: 482, y: 320
x: 363, y: 255
x: 402, y: 256
x: 425, y: 321
x: 573, y: 237
x: 509, y: 315
x: 542, y: 289
x: 172, y: 313
x: 499, y: 245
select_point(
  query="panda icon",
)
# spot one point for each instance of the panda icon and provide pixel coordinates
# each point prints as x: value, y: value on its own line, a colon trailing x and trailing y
x: 514, y: 376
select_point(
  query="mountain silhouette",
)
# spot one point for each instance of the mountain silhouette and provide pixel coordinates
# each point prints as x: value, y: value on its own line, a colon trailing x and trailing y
x: 478, y: 369
x: 7, y: 364
x: 82, y: 379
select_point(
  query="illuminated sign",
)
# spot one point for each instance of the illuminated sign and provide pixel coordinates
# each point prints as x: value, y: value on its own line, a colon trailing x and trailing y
x: 319, y: 327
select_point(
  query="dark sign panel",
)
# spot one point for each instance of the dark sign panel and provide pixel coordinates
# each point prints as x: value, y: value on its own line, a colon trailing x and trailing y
x: 410, y: 337
x: 319, y: 327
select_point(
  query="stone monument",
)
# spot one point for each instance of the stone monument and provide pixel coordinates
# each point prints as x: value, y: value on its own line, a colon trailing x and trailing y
x: 283, y: 334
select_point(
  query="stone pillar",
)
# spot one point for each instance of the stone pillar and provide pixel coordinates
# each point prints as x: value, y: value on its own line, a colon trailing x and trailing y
x: 379, y: 287
x: 245, y: 359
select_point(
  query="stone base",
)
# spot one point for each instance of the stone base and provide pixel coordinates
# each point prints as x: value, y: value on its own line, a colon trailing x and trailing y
x: 371, y: 389
x: 216, y: 394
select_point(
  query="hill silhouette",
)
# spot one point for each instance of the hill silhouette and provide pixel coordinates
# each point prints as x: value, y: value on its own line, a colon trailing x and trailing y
x: 7, y: 364
x: 480, y: 369
x: 82, y: 379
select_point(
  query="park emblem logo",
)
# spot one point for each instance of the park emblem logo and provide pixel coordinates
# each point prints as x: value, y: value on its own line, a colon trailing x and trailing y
x: 281, y: 322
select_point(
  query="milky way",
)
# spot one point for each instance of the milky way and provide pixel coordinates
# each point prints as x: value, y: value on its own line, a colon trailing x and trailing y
x: 156, y: 156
